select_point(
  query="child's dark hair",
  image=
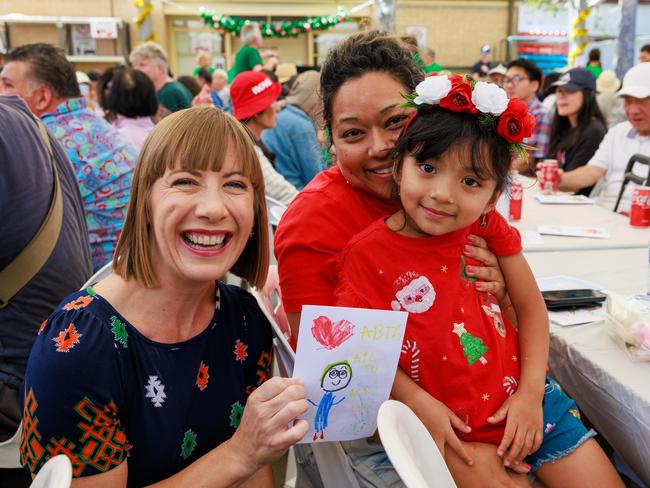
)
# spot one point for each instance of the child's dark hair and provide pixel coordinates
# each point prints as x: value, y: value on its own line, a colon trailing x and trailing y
x: 436, y: 130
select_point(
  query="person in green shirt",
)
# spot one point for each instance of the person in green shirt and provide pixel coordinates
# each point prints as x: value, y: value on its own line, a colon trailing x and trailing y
x: 248, y: 57
x: 203, y: 62
x: 429, y: 60
x: 594, y: 66
x: 152, y: 60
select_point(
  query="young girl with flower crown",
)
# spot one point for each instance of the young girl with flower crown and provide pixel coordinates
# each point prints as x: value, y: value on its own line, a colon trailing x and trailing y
x: 451, y: 165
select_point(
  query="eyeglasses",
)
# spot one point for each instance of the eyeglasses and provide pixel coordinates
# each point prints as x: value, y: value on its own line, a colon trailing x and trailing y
x: 515, y: 80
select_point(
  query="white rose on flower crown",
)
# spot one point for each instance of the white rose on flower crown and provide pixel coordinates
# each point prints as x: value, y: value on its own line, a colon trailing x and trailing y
x: 431, y: 90
x: 489, y: 98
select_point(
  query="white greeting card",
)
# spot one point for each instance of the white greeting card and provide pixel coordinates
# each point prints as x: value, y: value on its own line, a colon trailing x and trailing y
x: 347, y: 358
x: 563, y: 199
x: 573, y: 231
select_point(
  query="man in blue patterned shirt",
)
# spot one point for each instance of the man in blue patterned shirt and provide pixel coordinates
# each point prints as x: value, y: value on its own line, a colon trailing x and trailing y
x: 103, y: 161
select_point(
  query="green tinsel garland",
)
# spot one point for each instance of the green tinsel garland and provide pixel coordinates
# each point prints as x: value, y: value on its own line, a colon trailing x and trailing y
x: 280, y: 29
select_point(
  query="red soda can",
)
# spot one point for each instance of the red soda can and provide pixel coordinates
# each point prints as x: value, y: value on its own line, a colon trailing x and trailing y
x: 550, y: 179
x: 640, y: 208
x: 516, y: 197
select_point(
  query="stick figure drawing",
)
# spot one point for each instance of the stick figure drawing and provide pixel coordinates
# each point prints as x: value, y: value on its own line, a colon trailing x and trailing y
x: 336, y: 376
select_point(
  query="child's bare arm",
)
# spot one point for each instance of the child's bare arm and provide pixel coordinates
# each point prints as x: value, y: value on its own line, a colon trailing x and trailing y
x: 438, y: 419
x: 523, y: 410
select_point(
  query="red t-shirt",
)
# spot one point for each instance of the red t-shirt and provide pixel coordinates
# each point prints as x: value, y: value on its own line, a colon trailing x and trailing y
x: 457, y: 345
x: 318, y: 224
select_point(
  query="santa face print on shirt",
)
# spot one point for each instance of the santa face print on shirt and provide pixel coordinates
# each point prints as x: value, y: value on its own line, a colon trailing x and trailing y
x: 415, y: 293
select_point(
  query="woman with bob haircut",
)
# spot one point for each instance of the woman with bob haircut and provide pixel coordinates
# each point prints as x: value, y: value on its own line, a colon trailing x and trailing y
x: 132, y: 103
x: 160, y: 369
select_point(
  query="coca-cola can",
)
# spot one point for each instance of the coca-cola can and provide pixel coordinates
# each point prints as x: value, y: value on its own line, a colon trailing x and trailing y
x: 550, y: 179
x: 516, y: 198
x: 640, y: 208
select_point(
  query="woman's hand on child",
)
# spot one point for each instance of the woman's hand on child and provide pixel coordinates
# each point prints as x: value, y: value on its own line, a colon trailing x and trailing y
x: 490, y: 277
x: 263, y: 434
x: 441, y: 422
x: 523, y: 432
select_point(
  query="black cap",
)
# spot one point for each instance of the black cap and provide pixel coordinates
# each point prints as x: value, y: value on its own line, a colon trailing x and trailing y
x: 576, y: 79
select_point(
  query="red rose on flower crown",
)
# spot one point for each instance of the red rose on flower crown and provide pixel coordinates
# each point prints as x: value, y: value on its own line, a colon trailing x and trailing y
x: 516, y: 123
x: 511, y: 118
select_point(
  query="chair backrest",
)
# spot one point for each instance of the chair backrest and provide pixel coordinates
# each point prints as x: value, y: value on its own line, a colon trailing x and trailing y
x: 411, y: 448
x: 56, y: 473
x: 628, y: 175
x: 274, y: 209
x: 102, y: 273
x: 333, y: 464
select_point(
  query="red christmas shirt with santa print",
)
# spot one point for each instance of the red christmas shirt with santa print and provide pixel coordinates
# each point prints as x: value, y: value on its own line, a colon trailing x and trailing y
x: 457, y: 345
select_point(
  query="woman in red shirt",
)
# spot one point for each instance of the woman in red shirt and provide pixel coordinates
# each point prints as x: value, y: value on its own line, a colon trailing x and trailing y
x: 361, y: 85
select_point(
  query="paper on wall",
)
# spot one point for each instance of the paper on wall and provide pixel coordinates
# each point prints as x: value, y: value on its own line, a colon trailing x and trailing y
x: 347, y: 358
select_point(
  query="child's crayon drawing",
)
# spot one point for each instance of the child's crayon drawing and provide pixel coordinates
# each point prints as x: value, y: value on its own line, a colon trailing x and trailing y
x: 329, y: 334
x: 335, y: 377
x: 336, y: 344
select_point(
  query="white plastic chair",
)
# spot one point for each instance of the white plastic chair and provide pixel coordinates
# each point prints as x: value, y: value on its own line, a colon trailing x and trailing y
x: 411, y: 448
x: 274, y: 210
x: 333, y: 464
x: 10, y: 451
x: 99, y: 275
x: 56, y: 473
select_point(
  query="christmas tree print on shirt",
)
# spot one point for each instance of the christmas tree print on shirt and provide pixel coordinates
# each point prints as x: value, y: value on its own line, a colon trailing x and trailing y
x: 473, y: 347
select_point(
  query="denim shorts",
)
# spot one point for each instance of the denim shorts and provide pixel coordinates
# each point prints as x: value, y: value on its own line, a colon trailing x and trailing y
x: 563, y: 429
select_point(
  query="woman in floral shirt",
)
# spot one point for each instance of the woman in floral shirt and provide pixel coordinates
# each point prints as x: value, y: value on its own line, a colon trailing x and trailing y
x: 155, y: 375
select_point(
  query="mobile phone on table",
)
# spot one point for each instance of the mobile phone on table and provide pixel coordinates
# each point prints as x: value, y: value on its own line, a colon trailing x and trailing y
x: 573, y: 298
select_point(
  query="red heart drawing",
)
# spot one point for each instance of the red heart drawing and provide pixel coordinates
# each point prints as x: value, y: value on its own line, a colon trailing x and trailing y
x: 331, y: 335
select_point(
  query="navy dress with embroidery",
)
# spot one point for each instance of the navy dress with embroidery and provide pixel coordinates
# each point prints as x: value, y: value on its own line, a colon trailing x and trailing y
x: 101, y: 392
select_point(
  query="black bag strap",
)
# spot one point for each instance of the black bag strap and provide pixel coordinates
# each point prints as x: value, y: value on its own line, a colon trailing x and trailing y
x: 36, y: 253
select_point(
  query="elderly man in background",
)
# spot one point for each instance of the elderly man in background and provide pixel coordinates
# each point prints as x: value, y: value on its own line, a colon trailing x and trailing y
x: 152, y: 60
x: 103, y: 160
x: 248, y: 57
x: 294, y: 139
x: 620, y: 143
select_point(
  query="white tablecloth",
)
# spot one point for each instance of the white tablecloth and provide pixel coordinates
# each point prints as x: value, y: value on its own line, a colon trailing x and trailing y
x: 610, y: 388
x: 622, y: 236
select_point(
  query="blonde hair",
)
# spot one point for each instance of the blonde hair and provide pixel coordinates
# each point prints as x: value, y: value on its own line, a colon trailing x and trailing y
x: 196, y: 138
x: 152, y: 51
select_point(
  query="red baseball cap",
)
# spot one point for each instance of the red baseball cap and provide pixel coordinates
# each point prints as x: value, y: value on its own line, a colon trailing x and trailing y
x: 252, y: 92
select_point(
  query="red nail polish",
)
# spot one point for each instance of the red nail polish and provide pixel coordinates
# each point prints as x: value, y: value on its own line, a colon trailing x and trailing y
x: 467, y: 249
x: 470, y: 238
x: 527, y: 466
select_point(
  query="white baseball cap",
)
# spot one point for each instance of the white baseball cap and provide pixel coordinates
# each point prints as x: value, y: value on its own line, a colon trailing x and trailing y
x: 636, y: 82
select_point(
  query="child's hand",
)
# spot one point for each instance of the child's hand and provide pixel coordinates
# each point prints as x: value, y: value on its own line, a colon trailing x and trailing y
x: 441, y: 422
x: 523, y: 433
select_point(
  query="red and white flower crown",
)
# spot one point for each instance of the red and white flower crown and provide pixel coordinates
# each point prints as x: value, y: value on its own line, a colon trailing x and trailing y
x: 490, y: 102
